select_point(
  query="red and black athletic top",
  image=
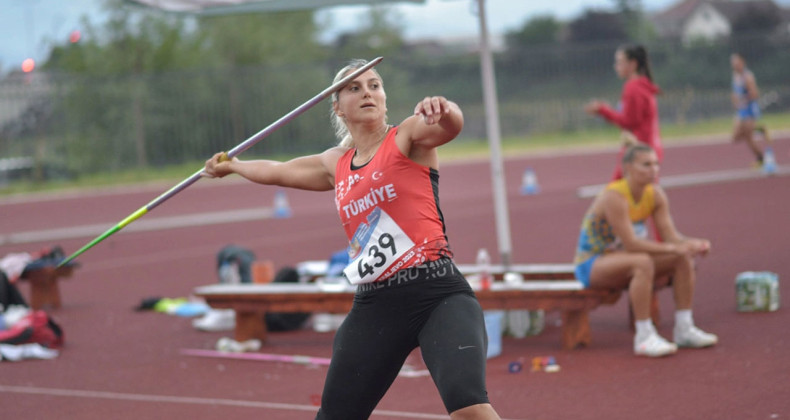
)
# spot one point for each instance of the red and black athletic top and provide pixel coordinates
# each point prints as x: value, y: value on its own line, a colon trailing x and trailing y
x: 390, y: 211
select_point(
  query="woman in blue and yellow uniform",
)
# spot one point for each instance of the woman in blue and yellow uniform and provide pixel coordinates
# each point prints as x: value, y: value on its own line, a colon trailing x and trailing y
x: 614, y: 252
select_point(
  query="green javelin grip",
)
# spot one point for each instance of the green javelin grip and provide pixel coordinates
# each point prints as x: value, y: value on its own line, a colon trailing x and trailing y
x: 246, y: 144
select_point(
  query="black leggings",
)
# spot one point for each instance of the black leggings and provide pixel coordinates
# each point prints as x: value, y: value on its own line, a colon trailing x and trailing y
x: 430, y: 306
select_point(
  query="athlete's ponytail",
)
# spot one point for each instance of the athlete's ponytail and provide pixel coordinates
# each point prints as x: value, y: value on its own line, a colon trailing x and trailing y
x: 638, y: 53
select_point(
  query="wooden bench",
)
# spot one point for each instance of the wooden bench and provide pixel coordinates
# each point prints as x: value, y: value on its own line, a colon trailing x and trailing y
x: 527, y: 271
x: 44, y: 289
x: 548, y: 287
x: 566, y: 272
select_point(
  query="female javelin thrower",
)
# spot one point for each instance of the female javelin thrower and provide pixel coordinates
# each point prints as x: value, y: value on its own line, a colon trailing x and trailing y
x: 409, y: 292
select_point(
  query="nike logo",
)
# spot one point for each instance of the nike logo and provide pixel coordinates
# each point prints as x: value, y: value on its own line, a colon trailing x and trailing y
x: 464, y: 347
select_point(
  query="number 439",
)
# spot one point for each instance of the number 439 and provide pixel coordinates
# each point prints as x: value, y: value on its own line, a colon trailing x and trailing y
x: 375, y: 255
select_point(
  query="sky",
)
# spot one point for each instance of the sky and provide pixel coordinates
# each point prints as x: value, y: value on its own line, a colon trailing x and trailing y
x: 459, y: 17
x: 29, y: 27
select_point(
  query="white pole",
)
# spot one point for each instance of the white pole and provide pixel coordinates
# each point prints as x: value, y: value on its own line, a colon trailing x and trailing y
x: 494, y: 141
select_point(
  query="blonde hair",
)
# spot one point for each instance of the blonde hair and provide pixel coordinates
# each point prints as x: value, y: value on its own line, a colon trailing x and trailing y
x: 341, y: 130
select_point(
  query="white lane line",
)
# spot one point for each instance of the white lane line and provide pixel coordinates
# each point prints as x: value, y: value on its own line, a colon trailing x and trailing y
x: 701, y: 178
x: 188, y: 220
x: 155, y: 187
x: 172, y: 256
x: 196, y: 400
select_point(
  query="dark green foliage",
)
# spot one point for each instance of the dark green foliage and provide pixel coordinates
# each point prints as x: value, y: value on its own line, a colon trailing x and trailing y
x: 539, y: 30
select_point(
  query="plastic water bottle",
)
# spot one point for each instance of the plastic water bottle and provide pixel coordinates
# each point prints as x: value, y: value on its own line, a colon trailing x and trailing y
x: 769, y: 161
x: 484, y: 265
x: 537, y: 321
x: 281, y: 208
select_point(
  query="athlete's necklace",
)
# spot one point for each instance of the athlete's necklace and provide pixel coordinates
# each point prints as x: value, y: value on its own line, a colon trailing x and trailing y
x: 374, y: 148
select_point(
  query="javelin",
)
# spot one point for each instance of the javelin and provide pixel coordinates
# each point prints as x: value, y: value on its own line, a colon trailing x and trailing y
x: 246, y: 144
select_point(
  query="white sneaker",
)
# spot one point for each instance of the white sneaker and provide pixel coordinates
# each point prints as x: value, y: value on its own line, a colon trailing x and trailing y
x: 323, y: 322
x: 654, y: 346
x: 14, y: 313
x: 216, y: 320
x: 230, y: 345
x: 694, y: 337
x: 19, y: 352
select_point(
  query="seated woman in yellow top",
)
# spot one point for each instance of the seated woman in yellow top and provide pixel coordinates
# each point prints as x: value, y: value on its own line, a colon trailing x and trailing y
x: 614, y: 252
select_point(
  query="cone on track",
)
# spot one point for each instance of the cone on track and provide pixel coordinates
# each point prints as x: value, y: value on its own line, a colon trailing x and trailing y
x: 281, y: 208
x: 529, y: 183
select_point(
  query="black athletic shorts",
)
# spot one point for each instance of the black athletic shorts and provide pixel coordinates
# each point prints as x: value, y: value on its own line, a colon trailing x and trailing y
x: 430, y: 306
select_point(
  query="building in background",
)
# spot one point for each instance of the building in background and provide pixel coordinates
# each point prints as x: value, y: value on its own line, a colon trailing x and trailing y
x: 690, y: 20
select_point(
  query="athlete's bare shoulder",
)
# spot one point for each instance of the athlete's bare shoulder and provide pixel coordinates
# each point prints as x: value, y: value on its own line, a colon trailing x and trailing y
x: 331, y: 156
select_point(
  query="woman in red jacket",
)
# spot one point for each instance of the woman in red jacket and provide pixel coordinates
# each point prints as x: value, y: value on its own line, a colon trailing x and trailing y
x: 638, y: 113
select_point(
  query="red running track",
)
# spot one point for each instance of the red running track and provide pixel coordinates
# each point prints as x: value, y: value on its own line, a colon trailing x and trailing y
x: 122, y: 364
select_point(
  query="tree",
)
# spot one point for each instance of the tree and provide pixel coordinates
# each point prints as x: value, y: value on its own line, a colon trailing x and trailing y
x: 243, y: 40
x: 629, y: 9
x: 165, y: 88
x: 633, y: 17
x: 240, y: 40
x: 755, y: 20
x: 381, y: 34
x: 539, y: 30
x: 597, y: 26
x: 132, y: 43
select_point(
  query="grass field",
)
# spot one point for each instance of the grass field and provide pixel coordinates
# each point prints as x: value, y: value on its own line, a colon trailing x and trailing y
x: 671, y: 133
x: 608, y: 135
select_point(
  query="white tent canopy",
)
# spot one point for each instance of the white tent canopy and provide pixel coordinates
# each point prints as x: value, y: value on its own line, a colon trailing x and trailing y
x: 224, y: 7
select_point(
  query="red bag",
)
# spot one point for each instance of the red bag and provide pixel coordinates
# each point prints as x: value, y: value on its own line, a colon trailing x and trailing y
x: 20, y: 333
x: 37, y: 327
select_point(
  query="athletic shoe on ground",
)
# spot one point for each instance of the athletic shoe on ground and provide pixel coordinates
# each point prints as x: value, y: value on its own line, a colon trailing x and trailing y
x: 216, y: 320
x: 232, y: 346
x: 15, y: 353
x: 654, y: 346
x: 694, y: 337
x: 13, y: 314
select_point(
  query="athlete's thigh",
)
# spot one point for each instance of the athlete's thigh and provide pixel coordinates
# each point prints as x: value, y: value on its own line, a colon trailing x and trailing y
x: 614, y: 270
x: 368, y: 352
x: 666, y: 264
x: 743, y: 128
x: 748, y: 124
x: 453, y: 342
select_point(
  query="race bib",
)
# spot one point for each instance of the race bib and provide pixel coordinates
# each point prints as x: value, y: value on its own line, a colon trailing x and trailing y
x: 378, y: 249
x: 640, y: 230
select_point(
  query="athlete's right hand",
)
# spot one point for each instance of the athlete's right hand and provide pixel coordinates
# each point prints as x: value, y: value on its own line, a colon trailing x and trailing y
x: 593, y: 106
x: 432, y: 109
x: 218, y: 166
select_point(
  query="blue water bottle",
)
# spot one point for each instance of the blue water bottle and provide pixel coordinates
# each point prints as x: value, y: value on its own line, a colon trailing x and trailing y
x: 769, y: 161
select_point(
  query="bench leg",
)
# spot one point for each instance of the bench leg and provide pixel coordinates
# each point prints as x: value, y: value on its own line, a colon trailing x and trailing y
x: 575, y: 329
x: 249, y: 325
x: 44, y: 291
